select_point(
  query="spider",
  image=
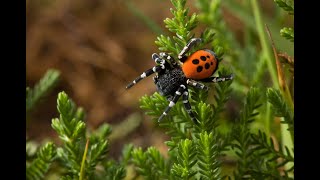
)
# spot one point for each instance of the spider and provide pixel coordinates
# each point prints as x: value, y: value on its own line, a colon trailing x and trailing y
x: 172, y: 79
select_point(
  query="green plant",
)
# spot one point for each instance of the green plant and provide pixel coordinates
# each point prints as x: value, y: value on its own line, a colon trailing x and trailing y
x: 41, y: 164
x: 39, y: 159
x: 41, y: 89
x: 199, y: 152
x: 82, y: 150
x: 255, y: 145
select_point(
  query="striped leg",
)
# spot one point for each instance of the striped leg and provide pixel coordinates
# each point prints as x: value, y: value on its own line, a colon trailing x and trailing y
x: 145, y: 74
x: 169, y: 58
x: 155, y: 79
x: 185, y: 100
x: 197, y: 84
x: 218, y: 79
x: 190, y: 44
x: 173, y: 102
x: 157, y: 59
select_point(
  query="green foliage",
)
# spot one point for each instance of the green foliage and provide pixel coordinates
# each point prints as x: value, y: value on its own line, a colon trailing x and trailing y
x: 182, y: 25
x: 185, y: 160
x: 82, y: 152
x: 31, y: 149
x: 210, y: 14
x: 264, y: 147
x: 192, y: 157
x: 286, y: 5
x: 257, y: 154
x: 150, y: 163
x: 41, y: 89
x: 280, y: 107
x: 39, y: 160
x: 241, y: 133
x: 208, y: 113
x: 113, y: 171
x: 126, y: 154
x: 72, y: 131
x: 39, y: 166
x: 287, y: 33
x: 70, y: 126
x: 177, y: 121
x: 207, y: 155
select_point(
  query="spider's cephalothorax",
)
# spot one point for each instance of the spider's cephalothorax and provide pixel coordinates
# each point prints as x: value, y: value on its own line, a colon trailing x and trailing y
x: 172, y: 79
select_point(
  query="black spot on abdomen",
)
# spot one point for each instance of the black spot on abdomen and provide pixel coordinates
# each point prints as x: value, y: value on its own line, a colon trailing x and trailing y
x: 195, y: 61
x: 207, y: 65
x: 203, y: 58
x: 199, y: 68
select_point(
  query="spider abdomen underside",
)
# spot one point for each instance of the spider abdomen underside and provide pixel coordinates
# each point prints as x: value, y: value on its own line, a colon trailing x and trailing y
x: 168, y: 82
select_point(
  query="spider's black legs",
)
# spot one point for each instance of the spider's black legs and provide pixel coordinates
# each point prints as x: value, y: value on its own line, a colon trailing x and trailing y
x: 185, y: 100
x: 157, y: 59
x: 218, y: 79
x: 190, y: 44
x: 185, y: 96
x: 197, y: 84
x: 145, y: 74
x: 173, y: 102
x: 169, y: 58
x: 201, y: 86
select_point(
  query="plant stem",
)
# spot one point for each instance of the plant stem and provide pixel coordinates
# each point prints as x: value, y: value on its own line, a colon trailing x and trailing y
x: 281, y: 78
x: 287, y: 141
x: 268, y: 119
x: 83, y: 161
x: 144, y: 18
x: 285, y: 134
x: 265, y: 47
x: 286, y: 137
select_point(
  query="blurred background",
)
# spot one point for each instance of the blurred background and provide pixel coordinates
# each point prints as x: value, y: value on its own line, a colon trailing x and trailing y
x: 99, y: 46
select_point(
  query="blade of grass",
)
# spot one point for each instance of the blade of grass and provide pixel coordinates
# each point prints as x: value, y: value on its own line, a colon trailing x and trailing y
x: 145, y: 19
x: 266, y: 52
x: 265, y: 47
x: 286, y: 137
x: 246, y: 18
x: 81, y: 177
x: 282, y: 80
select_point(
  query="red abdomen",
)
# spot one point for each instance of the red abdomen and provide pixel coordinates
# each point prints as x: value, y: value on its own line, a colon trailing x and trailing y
x: 200, y: 65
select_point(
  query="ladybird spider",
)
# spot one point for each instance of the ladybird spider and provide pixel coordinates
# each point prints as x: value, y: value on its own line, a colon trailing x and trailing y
x: 171, y: 78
